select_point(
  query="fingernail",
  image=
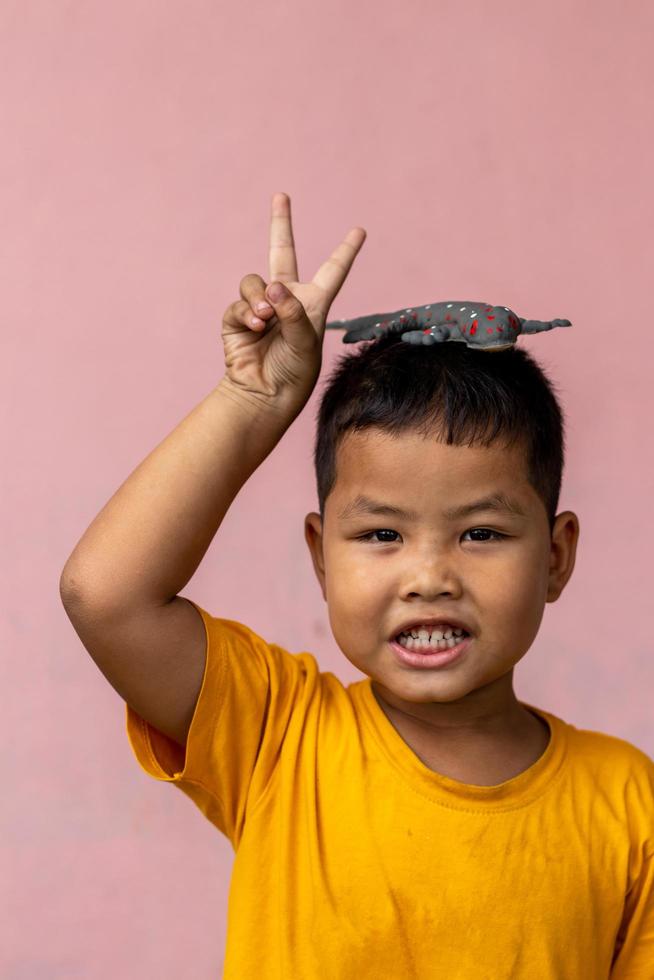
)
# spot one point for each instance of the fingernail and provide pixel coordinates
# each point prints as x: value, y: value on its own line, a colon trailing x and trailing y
x: 276, y: 291
x: 263, y: 308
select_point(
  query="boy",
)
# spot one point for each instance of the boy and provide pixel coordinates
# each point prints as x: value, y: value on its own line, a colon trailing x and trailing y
x: 422, y: 822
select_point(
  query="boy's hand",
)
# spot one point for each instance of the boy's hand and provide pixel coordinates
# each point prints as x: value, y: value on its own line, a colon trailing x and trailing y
x: 279, y: 354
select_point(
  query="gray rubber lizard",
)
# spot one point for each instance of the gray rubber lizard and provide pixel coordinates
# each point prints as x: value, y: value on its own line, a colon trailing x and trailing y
x: 476, y: 324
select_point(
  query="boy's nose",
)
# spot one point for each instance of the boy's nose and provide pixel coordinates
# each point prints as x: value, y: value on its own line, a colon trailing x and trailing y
x: 430, y: 580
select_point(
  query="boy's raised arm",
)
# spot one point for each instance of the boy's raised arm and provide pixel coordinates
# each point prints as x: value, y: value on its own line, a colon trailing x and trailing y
x: 120, y: 584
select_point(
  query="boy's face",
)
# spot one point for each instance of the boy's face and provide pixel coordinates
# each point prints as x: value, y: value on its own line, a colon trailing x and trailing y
x: 428, y: 564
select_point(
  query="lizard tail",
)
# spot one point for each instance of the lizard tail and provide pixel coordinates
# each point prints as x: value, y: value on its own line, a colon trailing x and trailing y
x: 536, y: 326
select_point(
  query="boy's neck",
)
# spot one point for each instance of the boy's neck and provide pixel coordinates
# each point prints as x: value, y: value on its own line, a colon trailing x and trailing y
x: 482, y: 741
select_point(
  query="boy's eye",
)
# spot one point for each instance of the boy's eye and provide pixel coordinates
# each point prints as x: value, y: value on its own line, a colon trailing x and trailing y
x: 370, y: 534
x: 485, y: 530
x: 494, y: 535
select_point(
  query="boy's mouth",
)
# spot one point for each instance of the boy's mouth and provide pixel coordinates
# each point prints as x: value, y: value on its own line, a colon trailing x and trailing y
x: 433, y: 623
x: 429, y: 639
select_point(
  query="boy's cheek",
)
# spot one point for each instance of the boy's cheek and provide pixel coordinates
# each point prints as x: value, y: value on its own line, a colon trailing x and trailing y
x: 357, y: 625
x: 350, y: 584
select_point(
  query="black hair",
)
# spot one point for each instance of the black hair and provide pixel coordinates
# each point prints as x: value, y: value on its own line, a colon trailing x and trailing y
x: 472, y: 397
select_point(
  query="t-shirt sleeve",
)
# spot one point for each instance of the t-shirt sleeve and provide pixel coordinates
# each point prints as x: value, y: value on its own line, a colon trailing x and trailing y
x: 251, y: 691
x: 635, y: 943
x: 634, y: 948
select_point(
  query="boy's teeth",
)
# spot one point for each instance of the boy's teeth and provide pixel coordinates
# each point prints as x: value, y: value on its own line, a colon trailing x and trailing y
x: 423, y: 632
x: 421, y: 638
x: 411, y: 644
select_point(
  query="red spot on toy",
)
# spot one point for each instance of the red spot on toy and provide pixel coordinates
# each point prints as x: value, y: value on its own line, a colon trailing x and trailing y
x: 498, y: 330
x: 428, y: 330
x: 489, y: 329
x: 473, y: 328
x: 490, y: 317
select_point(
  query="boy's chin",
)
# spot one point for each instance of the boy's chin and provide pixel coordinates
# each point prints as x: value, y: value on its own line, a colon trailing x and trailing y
x: 396, y: 682
x: 421, y: 686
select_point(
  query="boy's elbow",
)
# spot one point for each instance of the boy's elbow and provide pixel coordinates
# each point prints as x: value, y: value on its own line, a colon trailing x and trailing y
x: 67, y: 588
x: 74, y: 589
x: 70, y: 582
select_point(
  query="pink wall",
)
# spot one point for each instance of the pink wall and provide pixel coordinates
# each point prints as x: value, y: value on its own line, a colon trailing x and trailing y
x: 502, y: 151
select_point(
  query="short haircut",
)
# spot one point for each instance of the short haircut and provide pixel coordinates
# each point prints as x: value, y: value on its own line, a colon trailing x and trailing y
x: 447, y: 389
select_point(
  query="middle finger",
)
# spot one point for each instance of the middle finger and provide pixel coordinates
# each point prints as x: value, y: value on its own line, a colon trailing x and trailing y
x: 282, y: 259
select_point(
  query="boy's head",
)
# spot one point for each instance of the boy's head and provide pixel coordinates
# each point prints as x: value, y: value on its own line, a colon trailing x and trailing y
x: 425, y: 431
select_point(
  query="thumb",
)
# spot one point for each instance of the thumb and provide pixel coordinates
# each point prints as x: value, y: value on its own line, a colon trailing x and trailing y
x: 296, y: 328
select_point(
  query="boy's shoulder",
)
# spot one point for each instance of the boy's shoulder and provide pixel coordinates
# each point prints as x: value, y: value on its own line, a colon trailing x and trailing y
x: 602, y: 751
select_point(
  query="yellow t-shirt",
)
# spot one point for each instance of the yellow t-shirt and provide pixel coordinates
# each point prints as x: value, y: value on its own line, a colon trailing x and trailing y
x: 353, y: 859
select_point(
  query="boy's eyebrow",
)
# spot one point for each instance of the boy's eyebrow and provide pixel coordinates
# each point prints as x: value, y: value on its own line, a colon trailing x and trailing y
x: 496, y: 501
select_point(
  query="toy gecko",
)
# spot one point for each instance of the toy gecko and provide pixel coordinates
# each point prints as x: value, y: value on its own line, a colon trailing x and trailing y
x: 475, y: 324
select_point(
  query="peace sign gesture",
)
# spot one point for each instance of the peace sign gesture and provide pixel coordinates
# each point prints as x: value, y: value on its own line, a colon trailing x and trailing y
x: 278, y: 350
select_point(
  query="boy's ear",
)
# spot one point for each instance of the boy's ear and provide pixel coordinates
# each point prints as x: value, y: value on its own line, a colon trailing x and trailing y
x: 563, y: 550
x: 313, y: 537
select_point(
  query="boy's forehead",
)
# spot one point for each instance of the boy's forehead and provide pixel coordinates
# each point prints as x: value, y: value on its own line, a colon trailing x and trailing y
x: 411, y: 466
x: 384, y: 452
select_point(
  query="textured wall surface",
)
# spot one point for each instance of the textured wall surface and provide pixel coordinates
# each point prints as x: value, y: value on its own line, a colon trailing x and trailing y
x: 498, y: 151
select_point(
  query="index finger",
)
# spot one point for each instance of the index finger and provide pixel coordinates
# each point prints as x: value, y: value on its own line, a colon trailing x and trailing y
x: 282, y: 261
x: 333, y: 272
